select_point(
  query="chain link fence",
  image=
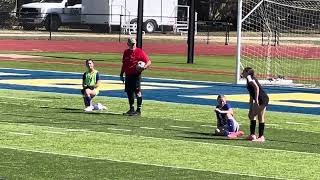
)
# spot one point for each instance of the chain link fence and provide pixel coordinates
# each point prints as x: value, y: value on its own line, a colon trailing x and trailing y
x: 57, y: 26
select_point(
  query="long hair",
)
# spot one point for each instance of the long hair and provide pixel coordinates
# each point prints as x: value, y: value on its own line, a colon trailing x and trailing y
x: 88, y: 60
x: 249, y: 71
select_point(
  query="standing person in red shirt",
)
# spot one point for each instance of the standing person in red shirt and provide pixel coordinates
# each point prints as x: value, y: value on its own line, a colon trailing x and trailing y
x: 131, y: 57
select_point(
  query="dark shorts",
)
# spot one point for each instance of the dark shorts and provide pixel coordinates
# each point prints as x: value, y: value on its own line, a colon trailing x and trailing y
x: 133, y: 83
x: 87, y: 87
x: 264, y: 101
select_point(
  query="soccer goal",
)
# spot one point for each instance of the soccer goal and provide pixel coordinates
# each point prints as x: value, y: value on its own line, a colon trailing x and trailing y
x: 280, y: 40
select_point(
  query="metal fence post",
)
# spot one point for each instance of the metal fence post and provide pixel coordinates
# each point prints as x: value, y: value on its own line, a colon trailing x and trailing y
x: 50, y: 26
x: 227, y: 34
x: 120, y: 30
x: 208, y: 34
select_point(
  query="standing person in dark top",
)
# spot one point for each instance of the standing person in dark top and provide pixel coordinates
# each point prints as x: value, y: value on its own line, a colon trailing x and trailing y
x: 258, y: 102
x: 134, y: 62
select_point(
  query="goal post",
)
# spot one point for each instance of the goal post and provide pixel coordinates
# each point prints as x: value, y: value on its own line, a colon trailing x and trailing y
x: 280, y: 40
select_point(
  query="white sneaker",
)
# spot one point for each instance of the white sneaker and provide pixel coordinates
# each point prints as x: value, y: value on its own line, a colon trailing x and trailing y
x: 103, y: 107
x: 99, y: 106
x: 88, y: 109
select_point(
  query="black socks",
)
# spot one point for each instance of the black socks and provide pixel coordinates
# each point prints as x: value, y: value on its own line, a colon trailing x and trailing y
x: 131, y: 99
x: 261, y: 129
x: 252, y: 127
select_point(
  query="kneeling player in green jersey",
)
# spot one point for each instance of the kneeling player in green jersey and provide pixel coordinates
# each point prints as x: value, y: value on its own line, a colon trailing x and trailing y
x: 90, y: 85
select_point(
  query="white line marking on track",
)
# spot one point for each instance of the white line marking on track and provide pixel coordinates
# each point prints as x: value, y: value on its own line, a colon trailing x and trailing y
x: 21, y: 134
x: 115, y: 129
x: 140, y: 163
x: 38, y: 50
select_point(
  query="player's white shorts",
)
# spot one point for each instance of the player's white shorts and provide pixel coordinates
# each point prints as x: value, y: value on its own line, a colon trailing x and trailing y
x: 235, y: 127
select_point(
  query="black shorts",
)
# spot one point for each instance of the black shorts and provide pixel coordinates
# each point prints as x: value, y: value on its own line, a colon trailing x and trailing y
x: 133, y: 83
x: 264, y: 101
x: 87, y: 87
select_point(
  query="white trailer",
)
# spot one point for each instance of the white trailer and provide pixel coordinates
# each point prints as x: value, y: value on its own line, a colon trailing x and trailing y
x: 104, y: 14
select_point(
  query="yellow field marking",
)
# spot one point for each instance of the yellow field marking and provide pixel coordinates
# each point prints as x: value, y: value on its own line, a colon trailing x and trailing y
x: 282, y: 99
x: 105, y: 85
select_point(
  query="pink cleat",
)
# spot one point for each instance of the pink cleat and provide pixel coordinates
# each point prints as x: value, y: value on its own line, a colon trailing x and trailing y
x: 259, y: 139
x: 240, y: 133
x: 252, y: 137
x: 234, y: 135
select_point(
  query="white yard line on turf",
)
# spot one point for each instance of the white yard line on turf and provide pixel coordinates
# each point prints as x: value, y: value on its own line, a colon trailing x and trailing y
x: 207, y: 126
x: 76, y: 130
x: 30, y: 99
x: 148, y: 128
x: 21, y: 134
x: 55, y: 132
x: 297, y: 123
x: 115, y: 129
x: 181, y: 127
x: 18, y: 104
x: 140, y: 163
x: 272, y: 124
x: 166, y: 139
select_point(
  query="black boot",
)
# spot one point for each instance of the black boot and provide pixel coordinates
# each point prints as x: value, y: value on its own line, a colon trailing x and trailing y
x: 131, y: 112
x: 138, y: 112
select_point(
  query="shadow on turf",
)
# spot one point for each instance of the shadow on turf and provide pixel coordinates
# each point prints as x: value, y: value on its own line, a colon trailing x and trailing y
x: 49, y: 97
x: 60, y: 120
x: 292, y: 142
x: 80, y: 111
x: 207, y: 136
x: 92, y: 113
x: 212, y: 136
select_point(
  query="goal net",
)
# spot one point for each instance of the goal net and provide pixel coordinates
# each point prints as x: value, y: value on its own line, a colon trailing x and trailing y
x: 280, y: 40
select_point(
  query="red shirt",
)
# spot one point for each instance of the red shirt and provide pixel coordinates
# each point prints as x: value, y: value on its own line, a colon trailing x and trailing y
x: 130, y: 60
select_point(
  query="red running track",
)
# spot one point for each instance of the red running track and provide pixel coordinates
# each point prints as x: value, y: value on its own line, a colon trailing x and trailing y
x: 112, y: 47
x: 158, y: 48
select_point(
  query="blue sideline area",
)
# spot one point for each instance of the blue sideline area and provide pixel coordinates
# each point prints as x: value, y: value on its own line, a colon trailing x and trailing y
x: 282, y: 99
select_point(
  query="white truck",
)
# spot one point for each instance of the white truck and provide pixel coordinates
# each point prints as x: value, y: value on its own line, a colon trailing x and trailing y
x: 102, y: 15
x: 50, y: 13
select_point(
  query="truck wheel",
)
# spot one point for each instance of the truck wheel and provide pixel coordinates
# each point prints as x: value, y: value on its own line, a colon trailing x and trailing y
x: 134, y: 21
x: 55, y: 24
x: 150, y: 26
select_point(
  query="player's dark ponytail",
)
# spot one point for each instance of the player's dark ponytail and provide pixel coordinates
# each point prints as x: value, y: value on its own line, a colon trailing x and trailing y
x: 249, y: 71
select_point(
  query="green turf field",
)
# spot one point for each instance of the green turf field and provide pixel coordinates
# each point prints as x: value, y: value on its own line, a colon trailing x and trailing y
x: 48, y: 136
